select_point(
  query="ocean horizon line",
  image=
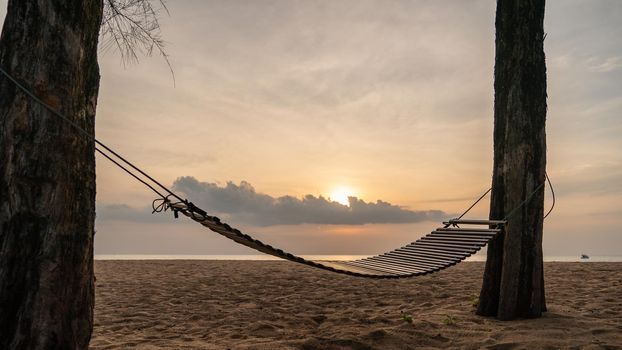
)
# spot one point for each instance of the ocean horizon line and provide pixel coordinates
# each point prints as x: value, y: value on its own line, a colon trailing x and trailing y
x: 336, y: 257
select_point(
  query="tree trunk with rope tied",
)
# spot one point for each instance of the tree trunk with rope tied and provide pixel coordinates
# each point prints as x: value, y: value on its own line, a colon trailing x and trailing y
x: 47, y: 174
x: 513, y: 283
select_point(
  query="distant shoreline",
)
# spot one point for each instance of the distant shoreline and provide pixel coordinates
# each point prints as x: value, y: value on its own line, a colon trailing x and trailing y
x: 257, y: 257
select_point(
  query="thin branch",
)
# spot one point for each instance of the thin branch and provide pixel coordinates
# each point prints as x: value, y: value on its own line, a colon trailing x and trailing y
x: 132, y: 28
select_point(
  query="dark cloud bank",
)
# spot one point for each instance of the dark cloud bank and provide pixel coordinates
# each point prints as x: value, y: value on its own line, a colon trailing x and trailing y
x: 242, y: 204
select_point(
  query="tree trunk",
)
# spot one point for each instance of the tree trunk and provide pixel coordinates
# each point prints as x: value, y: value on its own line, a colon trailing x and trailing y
x: 47, y: 174
x: 513, y: 283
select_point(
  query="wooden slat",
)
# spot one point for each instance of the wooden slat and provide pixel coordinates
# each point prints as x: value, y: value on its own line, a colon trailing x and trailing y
x: 442, y: 263
x: 418, y: 257
x: 376, y: 267
x: 468, y: 237
x: 444, y: 247
x: 412, y: 265
x: 454, y: 241
x: 470, y: 229
x: 408, y: 255
x: 475, y: 222
x: 449, y: 242
x: 389, y: 264
x: 432, y: 251
x: 455, y: 247
x: 371, y: 267
x: 476, y: 241
x: 345, y: 266
x: 466, y: 234
x: 429, y: 268
x: 418, y: 261
x: 409, y: 268
x: 461, y: 237
x: 339, y: 265
x: 441, y: 237
x: 412, y: 262
x: 415, y: 256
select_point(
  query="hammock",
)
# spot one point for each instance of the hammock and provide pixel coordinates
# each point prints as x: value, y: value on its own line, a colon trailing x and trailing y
x: 444, y: 247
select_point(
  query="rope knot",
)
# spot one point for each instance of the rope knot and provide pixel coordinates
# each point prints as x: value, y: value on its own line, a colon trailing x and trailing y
x: 161, y: 204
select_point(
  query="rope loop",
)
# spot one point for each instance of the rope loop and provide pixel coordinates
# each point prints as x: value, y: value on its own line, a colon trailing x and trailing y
x: 530, y: 196
x: 164, y: 203
x: 160, y: 204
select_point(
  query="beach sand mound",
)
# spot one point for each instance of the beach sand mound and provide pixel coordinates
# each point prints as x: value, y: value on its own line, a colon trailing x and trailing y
x: 281, y: 305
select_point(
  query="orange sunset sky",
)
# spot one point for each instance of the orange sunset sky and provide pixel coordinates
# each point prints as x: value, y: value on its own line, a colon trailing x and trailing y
x: 386, y: 101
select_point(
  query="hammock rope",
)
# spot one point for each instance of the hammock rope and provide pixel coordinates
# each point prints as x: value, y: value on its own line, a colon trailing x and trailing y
x: 442, y: 248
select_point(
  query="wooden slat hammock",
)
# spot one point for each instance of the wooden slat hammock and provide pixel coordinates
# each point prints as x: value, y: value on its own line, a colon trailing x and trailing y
x: 444, y: 247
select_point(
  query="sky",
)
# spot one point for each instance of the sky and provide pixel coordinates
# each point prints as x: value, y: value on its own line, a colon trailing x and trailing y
x: 280, y: 110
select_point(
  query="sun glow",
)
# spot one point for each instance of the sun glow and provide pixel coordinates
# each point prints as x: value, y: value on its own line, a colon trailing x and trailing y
x: 341, y: 194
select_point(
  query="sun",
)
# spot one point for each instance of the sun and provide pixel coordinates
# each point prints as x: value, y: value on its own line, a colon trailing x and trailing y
x: 340, y: 195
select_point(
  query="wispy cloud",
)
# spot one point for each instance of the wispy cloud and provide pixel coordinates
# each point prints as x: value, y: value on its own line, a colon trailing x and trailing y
x: 595, y: 179
x: 607, y: 65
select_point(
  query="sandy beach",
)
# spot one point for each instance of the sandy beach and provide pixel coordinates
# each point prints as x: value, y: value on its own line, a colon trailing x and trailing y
x: 282, y: 305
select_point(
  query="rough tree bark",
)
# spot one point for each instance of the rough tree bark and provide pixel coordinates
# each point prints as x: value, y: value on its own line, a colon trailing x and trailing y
x: 513, y: 283
x: 47, y: 174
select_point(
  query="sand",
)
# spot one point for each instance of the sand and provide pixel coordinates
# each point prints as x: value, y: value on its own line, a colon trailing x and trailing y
x: 282, y: 305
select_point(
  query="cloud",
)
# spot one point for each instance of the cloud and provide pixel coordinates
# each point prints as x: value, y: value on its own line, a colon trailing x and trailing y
x: 243, y: 204
x: 596, y: 179
x: 607, y: 65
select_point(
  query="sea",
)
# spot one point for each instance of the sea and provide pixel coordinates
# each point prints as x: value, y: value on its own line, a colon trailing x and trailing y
x: 592, y: 258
